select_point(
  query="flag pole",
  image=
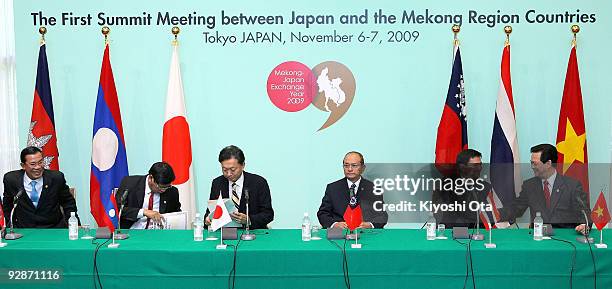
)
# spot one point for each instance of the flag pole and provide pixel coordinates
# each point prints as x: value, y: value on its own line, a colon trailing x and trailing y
x: 508, y: 31
x: 456, y: 28
x: 42, y: 30
x: 175, y: 30
x: 575, y: 30
x: 105, y: 32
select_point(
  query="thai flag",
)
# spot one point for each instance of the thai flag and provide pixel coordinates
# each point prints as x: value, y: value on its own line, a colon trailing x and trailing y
x: 489, y: 218
x: 108, y: 156
x: 452, y: 131
x: 505, y: 163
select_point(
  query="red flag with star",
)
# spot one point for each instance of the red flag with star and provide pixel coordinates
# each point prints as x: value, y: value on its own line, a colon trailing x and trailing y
x: 571, y: 131
x: 600, y: 213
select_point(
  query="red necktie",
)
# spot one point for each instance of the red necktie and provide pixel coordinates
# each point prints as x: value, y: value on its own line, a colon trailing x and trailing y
x: 547, y: 193
x: 151, y: 208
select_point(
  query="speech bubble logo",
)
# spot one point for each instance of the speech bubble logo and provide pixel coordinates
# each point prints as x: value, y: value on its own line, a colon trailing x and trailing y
x: 291, y: 86
x: 336, y: 90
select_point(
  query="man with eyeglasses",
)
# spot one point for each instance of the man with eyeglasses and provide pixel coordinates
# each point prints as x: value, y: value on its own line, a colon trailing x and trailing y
x: 233, y: 184
x: 468, y: 186
x: 149, y: 197
x: 339, y: 193
x: 43, y: 193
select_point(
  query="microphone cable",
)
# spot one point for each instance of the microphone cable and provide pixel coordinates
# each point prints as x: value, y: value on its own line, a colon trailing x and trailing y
x: 571, y: 278
x: 96, y: 273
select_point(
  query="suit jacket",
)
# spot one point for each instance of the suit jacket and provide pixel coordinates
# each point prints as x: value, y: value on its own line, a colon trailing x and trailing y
x: 460, y: 218
x: 565, y: 210
x: 337, y: 198
x: 260, y: 201
x: 54, y: 194
x: 168, y: 200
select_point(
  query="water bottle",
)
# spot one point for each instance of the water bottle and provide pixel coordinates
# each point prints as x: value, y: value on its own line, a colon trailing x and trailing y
x: 431, y: 229
x: 306, y: 228
x: 73, y: 227
x: 198, y: 232
x: 538, y: 223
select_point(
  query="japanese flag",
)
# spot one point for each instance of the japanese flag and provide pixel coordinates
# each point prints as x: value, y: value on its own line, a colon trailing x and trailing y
x: 220, y: 216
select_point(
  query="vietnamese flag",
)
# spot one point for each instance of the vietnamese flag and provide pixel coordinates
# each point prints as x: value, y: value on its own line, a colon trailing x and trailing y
x: 41, y: 132
x: 600, y: 213
x: 571, y: 131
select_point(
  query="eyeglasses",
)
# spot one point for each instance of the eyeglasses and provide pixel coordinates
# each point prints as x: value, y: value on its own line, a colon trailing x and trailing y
x: 163, y: 187
x: 352, y: 166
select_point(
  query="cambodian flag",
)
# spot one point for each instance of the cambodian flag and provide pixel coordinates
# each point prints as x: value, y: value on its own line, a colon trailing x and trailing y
x: 108, y: 156
x: 41, y: 132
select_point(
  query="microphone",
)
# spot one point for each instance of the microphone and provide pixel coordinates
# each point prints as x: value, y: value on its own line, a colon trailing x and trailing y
x: 118, y: 234
x: 12, y: 235
x: 477, y: 236
x: 247, y: 236
x: 587, y: 228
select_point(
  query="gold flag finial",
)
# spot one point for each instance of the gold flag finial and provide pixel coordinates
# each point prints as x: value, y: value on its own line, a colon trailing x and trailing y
x: 508, y: 31
x: 575, y: 30
x: 42, y: 30
x: 105, y: 32
x: 175, y: 30
x: 456, y: 28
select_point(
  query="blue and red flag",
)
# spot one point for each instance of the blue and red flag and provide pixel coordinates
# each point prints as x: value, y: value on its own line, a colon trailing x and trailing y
x: 41, y: 133
x: 452, y: 130
x: 505, y: 163
x: 108, y: 156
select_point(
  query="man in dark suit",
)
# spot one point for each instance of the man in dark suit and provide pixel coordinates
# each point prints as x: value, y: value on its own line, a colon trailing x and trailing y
x: 43, y: 193
x: 559, y: 199
x: 234, y: 183
x: 338, y: 194
x: 148, y: 197
x: 468, y: 167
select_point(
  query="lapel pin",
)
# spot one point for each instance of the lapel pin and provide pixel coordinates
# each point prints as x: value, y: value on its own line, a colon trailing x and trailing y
x: 46, y: 186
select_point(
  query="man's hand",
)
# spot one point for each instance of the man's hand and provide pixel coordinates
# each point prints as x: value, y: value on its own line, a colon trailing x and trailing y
x: 581, y: 229
x: 239, y: 217
x: 207, y: 221
x: 341, y: 225
x: 366, y: 225
x: 502, y: 225
x: 154, y: 215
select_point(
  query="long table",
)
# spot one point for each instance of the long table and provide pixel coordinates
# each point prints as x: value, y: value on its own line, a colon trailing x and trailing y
x: 390, y: 258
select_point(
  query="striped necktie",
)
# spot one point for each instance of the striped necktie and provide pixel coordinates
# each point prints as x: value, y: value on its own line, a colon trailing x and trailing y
x: 235, y: 198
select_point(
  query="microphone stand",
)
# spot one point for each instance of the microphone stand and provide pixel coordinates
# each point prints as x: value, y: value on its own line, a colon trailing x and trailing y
x: 12, y: 235
x: 247, y: 236
x: 477, y: 236
x: 118, y: 234
x: 585, y: 239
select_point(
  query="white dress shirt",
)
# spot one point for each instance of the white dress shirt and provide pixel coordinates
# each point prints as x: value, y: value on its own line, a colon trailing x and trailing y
x: 28, y: 187
x: 142, y: 219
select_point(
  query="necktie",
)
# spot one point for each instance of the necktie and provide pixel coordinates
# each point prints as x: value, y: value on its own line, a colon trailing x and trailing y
x: 235, y: 198
x: 34, y: 195
x: 547, y: 193
x: 352, y: 190
x: 150, y: 208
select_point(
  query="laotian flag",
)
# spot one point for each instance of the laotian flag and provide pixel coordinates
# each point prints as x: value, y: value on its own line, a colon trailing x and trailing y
x: 452, y: 130
x: 108, y: 156
x: 505, y: 163
x: 41, y: 133
x: 176, y: 140
x: 571, y: 131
